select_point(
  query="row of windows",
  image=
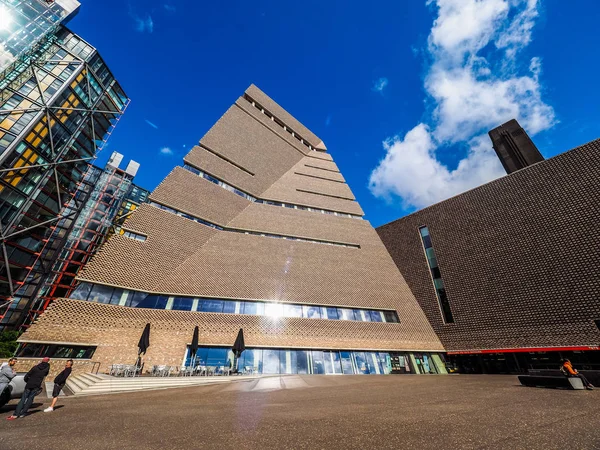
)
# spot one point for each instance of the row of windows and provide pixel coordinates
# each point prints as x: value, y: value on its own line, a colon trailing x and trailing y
x: 116, y: 296
x: 278, y: 122
x: 255, y: 233
x: 326, y: 362
x: 132, y: 235
x: 31, y: 350
x: 436, y: 276
x: 247, y: 196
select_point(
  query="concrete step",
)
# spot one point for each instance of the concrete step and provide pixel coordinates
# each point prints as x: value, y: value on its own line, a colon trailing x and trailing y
x: 91, y: 377
x: 98, y: 384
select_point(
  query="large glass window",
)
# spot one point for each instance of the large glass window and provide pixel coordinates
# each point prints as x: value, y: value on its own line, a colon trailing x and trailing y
x: 273, y: 309
x: 332, y: 362
x: 118, y: 296
x: 101, y: 293
x: 361, y: 363
x: 256, y: 308
x: 288, y: 362
x: 318, y: 364
x: 212, y: 306
x: 311, y: 312
x: 346, y: 361
x: 345, y: 314
x: 332, y: 313
x: 270, y: 361
x: 302, y: 362
x: 436, y: 276
x: 182, y: 304
x: 292, y: 310
x: 217, y: 357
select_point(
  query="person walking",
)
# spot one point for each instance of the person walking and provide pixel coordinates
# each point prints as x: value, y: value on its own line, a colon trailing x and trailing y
x: 7, y: 373
x: 569, y: 371
x: 59, y: 384
x: 33, y: 387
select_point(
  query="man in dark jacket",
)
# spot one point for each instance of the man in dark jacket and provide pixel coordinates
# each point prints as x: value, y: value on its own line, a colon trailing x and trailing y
x: 59, y: 383
x: 33, y: 387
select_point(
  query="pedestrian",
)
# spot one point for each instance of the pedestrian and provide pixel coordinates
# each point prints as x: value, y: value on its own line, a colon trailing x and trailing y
x: 59, y: 384
x: 7, y: 373
x: 33, y: 387
x: 569, y: 371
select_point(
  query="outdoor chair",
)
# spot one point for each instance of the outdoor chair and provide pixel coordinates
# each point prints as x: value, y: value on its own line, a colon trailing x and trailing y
x: 201, y: 370
x: 248, y: 370
x: 115, y: 370
x: 130, y: 370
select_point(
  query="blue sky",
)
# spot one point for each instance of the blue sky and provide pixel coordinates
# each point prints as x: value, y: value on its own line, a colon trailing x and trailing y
x: 402, y: 93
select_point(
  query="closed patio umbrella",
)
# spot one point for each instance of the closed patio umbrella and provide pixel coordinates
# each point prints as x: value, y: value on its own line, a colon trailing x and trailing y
x: 194, y: 347
x: 143, y: 345
x: 238, y: 348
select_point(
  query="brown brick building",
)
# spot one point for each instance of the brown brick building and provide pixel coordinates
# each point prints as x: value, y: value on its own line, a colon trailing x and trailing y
x: 508, y: 273
x: 258, y: 230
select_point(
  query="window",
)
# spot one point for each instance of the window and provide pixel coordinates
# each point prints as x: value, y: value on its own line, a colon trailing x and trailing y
x: 391, y: 316
x: 81, y: 292
x: 182, y: 304
x: 274, y: 309
x: 292, y: 310
x: 38, y: 350
x: 101, y: 293
x: 215, y: 306
x: 255, y: 308
x: 436, y: 276
x: 345, y: 314
x: 376, y: 316
x: 311, y: 312
x: 332, y: 313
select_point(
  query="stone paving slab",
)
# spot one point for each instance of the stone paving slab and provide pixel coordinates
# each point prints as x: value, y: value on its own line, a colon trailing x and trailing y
x: 319, y: 412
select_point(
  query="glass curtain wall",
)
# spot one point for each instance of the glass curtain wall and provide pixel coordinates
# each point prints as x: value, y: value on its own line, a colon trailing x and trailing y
x: 318, y: 362
x: 57, y: 108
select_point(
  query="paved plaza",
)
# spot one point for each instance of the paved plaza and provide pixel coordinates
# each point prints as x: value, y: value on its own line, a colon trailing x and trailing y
x: 319, y: 412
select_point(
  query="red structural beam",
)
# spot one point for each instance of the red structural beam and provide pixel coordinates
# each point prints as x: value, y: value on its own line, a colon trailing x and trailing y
x: 525, y: 350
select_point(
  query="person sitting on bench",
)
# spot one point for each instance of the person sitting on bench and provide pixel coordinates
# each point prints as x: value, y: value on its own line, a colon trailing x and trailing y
x: 569, y: 371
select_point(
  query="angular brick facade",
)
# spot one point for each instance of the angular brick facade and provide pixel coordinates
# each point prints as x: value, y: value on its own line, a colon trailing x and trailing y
x: 285, y: 228
x: 519, y: 257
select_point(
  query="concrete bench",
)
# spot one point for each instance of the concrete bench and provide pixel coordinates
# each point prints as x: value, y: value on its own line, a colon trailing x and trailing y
x: 555, y: 382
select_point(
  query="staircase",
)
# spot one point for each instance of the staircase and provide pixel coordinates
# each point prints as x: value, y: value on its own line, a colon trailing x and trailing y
x: 97, y: 384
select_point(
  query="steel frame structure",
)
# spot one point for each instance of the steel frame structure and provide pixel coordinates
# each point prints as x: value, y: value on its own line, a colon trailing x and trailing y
x: 53, y: 116
x: 89, y: 233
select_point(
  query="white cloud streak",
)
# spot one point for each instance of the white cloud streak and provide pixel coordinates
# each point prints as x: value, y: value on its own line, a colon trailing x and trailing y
x: 470, y: 94
x: 166, y: 151
x: 151, y: 124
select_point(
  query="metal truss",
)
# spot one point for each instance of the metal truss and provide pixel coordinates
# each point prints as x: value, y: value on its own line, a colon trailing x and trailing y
x: 47, y: 112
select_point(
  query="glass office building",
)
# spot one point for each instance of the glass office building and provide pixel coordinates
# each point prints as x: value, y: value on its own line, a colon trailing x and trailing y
x: 58, y: 104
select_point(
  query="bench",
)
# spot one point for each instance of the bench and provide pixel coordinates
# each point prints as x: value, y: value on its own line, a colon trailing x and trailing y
x: 593, y: 376
x: 555, y: 382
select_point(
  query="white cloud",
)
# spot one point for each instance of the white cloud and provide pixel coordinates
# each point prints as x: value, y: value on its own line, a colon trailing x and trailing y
x: 470, y: 95
x: 380, y: 84
x: 166, y: 151
x: 170, y: 8
x: 151, y: 124
x: 143, y: 24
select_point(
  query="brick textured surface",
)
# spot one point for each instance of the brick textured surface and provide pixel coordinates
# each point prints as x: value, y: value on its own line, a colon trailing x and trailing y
x: 189, y: 193
x: 243, y: 140
x: 183, y: 257
x: 267, y: 102
x: 117, y: 330
x: 519, y: 257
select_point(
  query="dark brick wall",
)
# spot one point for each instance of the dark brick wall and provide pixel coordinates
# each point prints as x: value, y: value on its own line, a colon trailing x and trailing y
x: 520, y: 257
